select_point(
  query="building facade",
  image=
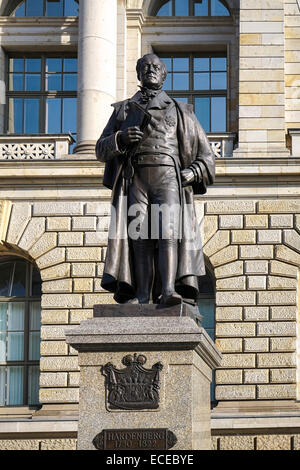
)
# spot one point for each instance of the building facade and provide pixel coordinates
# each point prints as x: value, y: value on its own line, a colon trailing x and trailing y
x: 62, y: 64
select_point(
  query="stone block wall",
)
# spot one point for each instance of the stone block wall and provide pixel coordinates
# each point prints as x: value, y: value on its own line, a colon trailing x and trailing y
x: 254, y: 248
x: 262, y: 130
x: 257, y: 442
x: 292, y: 63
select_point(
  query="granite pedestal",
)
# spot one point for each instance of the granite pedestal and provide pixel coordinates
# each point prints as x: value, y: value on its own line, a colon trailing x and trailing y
x: 171, y: 338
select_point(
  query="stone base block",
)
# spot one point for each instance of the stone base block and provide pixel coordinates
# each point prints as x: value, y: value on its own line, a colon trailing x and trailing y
x: 186, y: 355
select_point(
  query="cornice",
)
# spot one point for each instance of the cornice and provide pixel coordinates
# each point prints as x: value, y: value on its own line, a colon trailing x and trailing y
x: 37, y: 21
x: 135, y: 18
x: 242, y: 167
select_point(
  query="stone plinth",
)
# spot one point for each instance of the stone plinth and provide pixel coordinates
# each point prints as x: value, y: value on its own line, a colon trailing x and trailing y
x: 169, y: 336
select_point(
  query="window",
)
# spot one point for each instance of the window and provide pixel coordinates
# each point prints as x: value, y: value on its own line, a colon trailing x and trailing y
x: 20, y: 318
x: 192, y: 8
x: 206, y: 305
x: 42, y: 94
x: 47, y: 8
x: 200, y: 80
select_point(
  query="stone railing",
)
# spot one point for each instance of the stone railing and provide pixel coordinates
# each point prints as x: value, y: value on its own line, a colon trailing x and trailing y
x: 222, y: 144
x: 34, y: 147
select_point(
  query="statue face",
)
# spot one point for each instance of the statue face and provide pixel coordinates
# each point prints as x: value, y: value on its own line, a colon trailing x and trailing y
x: 152, y: 72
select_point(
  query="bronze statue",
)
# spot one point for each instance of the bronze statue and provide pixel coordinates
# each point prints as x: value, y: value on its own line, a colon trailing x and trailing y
x: 157, y: 156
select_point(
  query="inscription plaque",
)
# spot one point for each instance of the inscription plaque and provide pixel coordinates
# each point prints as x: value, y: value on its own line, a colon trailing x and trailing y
x: 135, y: 439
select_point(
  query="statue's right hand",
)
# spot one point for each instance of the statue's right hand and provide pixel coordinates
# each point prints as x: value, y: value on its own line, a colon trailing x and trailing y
x: 130, y: 136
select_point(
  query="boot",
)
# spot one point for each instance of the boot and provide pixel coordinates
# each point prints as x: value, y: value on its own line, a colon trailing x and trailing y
x: 167, y: 261
x: 143, y: 268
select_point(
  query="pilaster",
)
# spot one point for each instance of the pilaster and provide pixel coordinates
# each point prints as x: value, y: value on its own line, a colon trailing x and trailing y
x: 262, y: 130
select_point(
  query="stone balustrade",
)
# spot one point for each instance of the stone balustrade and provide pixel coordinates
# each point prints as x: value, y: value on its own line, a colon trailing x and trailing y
x: 222, y: 144
x: 34, y: 147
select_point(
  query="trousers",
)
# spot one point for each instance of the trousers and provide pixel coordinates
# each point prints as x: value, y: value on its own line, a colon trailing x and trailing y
x: 154, y: 225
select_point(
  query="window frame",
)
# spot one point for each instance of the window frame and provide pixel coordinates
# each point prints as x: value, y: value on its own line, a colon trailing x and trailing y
x: 190, y: 8
x: 192, y: 94
x: 28, y: 299
x: 14, y: 9
x: 210, y: 296
x: 42, y: 95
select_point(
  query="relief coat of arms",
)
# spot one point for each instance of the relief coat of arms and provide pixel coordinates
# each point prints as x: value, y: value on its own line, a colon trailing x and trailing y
x: 135, y: 387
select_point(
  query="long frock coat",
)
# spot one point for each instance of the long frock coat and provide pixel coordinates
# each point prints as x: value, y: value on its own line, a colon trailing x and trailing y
x: 194, y: 150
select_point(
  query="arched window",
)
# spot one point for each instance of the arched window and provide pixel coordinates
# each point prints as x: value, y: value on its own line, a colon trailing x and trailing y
x: 192, y: 8
x: 206, y: 306
x: 47, y: 8
x: 20, y: 320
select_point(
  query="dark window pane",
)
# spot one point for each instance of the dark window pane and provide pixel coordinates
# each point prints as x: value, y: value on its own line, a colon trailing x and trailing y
x: 33, y: 385
x: 181, y: 7
x: 219, y: 81
x: 53, y: 116
x: 218, y: 114
x: 201, y: 64
x: 36, y: 287
x: 218, y: 9
x: 31, y: 116
x: 70, y: 82
x: 201, y: 8
x: 206, y: 284
x: 70, y: 65
x: 15, y: 122
x: 168, y: 63
x: 15, y: 346
x: 202, y: 110
x: 165, y: 10
x: 19, y: 280
x: 182, y: 98
x: 5, y: 279
x: 53, y: 82
x: 34, y: 346
x: 181, y: 64
x: 3, y: 340
x: 54, y: 65
x: 35, y: 316
x: 69, y: 115
x: 54, y: 8
x: 15, y: 313
x: 20, y: 11
x: 3, y: 316
x: 207, y: 310
x: 71, y: 8
x: 168, y: 83
x: 180, y: 81
x: 16, y: 82
x: 32, y: 82
x: 201, y: 81
x: 34, y: 8
x: 16, y: 65
x: 32, y: 65
x: 15, y: 383
x: 218, y: 64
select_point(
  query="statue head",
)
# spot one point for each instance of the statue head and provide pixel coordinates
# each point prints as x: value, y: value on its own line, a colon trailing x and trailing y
x: 151, y: 71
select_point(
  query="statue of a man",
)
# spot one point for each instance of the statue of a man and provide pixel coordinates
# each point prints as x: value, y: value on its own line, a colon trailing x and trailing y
x: 157, y: 156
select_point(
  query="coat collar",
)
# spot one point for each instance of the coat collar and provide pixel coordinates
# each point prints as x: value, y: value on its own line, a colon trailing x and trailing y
x: 161, y: 101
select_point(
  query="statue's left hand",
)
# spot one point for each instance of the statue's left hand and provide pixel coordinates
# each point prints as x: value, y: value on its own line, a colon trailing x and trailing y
x: 187, y: 177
